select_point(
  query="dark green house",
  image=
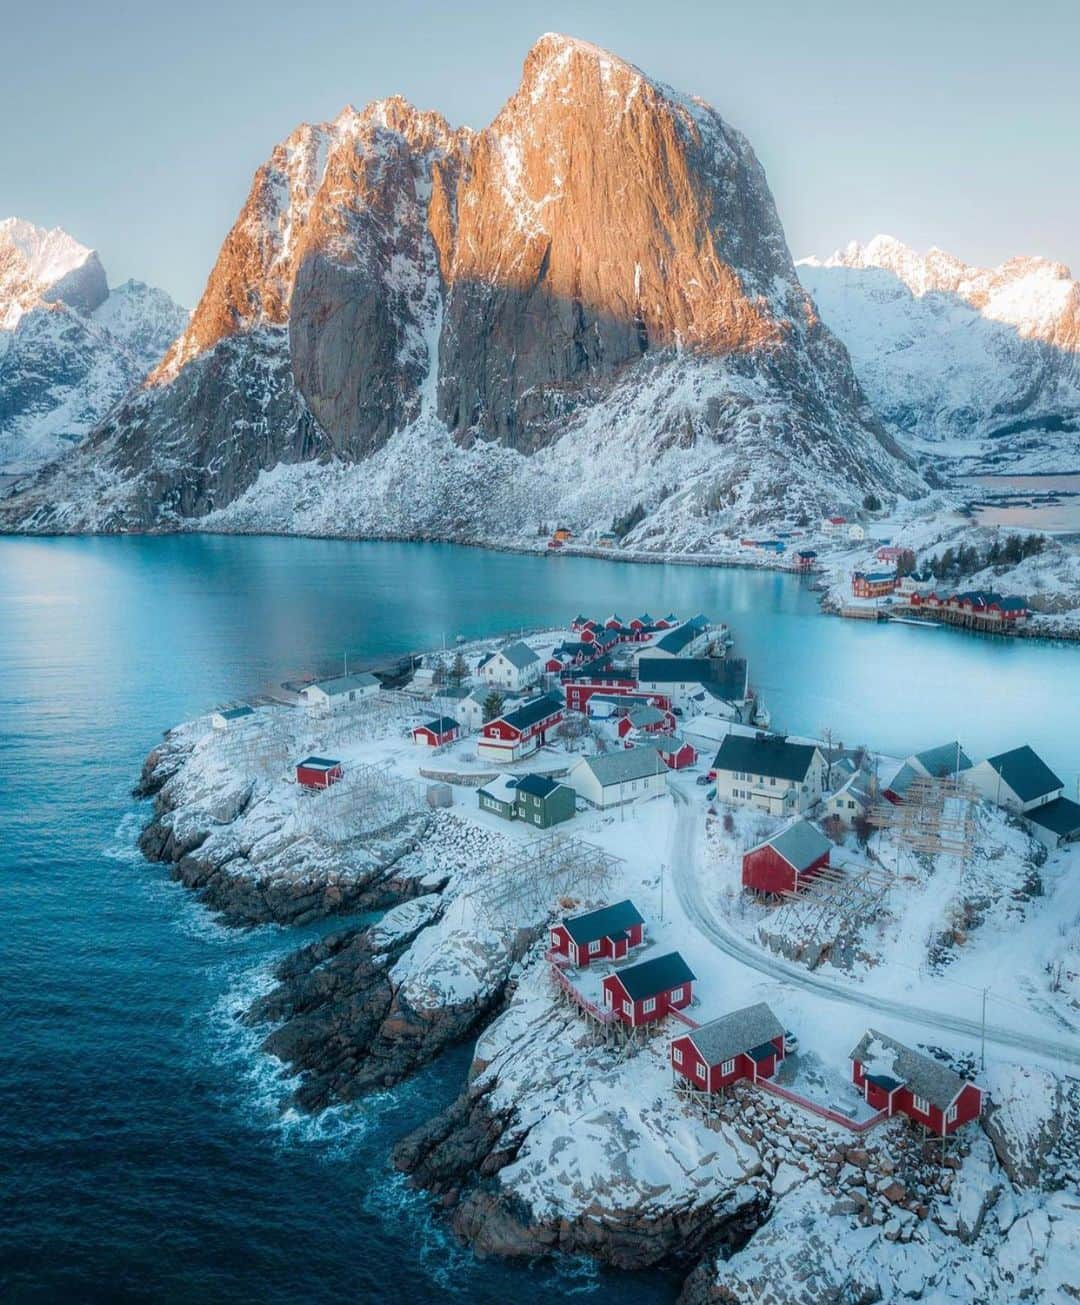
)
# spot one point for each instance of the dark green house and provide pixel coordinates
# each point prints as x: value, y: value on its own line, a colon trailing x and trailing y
x: 544, y: 802
x: 541, y: 801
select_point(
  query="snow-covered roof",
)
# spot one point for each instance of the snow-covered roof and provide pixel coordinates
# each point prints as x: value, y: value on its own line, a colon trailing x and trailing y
x: 503, y: 788
x: 883, y: 1056
x: 344, y: 683
x: 519, y: 655
x: 611, y: 768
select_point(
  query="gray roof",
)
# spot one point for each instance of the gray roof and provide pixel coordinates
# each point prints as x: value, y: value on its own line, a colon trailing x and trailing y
x: 800, y: 844
x: 621, y: 767
x: 319, y: 763
x: 343, y: 683
x: 235, y: 713
x: 731, y: 1035
x: 765, y: 755
x: 676, y: 639
x: 648, y: 978
x: 901, y: 781
x: 883, y: 1056
x: 639, y: 717
x: 1061, y: 817
x: 1025, y: 772
x: 519, y: 654
x: 947, y: 759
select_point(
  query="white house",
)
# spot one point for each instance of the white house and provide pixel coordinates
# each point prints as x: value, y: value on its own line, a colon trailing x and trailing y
x: 1018, y: 780
x: 341, y: 691
x: 852, y: 800
x: 231, y: 716
x: 470, y: 711
x: 611, y: 778
x: 768, y: 772
x: 514, y: 667
x: 856, y: 533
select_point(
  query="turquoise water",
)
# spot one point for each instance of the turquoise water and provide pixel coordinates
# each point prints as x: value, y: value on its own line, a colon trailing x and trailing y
x: 141, y: 1151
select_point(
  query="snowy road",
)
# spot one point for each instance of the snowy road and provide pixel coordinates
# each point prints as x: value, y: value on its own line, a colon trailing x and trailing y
x: 685, y: 862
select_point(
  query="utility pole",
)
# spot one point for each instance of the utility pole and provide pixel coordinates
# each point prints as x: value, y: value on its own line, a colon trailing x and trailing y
x: 982, y: 1040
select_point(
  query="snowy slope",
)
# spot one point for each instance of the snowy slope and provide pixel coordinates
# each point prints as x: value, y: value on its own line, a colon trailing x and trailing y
x: 69, y: 347
x: 960, y: 361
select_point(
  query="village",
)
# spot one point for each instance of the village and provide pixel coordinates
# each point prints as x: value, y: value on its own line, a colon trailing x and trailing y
x: 617, y: 727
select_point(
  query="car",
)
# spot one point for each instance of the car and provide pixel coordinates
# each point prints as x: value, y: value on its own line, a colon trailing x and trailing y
x: 703, y: 780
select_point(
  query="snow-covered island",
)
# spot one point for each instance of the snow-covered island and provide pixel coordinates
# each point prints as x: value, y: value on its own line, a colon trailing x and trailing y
x: 581, y: 848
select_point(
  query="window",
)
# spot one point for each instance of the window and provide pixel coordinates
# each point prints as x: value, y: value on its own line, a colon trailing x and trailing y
x: 676, y: 1055
x: 950, y: 1115
x: 628, y: 1008
x: 700, y: 1072
x: 537, y: 818
x: 594, y: 947
x: 920, y: 1104
x: 648, y: 1005
x: 676, y: 994
x: 728, y: 1067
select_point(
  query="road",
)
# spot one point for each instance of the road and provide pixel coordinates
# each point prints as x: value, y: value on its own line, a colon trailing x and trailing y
x: 685, y: 861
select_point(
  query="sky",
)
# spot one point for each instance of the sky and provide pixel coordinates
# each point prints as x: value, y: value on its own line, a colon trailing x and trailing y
x: 137, y: 126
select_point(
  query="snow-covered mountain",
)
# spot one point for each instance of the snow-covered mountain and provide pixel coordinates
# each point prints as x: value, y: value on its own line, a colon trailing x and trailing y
x: 412, y: 329
x: 70, y: 347
x: 976, y: 363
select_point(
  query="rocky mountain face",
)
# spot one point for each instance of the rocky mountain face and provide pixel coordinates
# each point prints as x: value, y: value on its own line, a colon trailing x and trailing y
x: 585, y: 307
x: 962, y: 361
x: 69, y: 347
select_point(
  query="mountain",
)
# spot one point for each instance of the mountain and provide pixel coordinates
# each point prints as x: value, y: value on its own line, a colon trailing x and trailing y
x: 964, y: 362
x: 586, y: 310
x: 69, y: 347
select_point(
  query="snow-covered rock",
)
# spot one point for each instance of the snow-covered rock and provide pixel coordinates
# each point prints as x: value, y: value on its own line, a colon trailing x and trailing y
x: 70, y: 347
x: 968, y: 362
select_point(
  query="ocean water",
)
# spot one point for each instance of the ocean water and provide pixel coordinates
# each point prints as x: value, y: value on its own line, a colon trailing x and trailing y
x: 143, y: 1151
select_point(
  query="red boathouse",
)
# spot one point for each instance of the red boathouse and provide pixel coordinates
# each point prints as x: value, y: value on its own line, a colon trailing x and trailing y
x: 647, y: 991
x: 747, y: 1044
x: 894, y: 1078
x: 318, y: 772
x: 787, y: 861
x: 606, y: 934
x: 443, y: 729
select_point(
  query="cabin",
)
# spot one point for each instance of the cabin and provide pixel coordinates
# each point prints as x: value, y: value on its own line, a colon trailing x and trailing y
x: 900, y: 1081
x: 644, y: 720
x: 603, y: 935
x: 580, y: 623
x: 805, y: 559
x: 787, y: 861
x: 888, y: 553
x: 318, y: 772
x: 746, y: 1044
x: 646, y: 992
x: 519, y: 733
x: 543, y: 801
x: 674, y: 751
x: 770, y: 773
x: 872, y: 584
x: 612, y: 778
x: 469, y: 712
x: 514, y: 667
x: 340, y: 692
x: 562, y: 534
x: 435, y: 733
x: 231, y: 716
x: 946, y: 761
x: 1055, y: 822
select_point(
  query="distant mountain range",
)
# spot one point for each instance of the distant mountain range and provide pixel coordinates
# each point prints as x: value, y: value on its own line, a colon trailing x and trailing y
x: 70, y: 348
x: 978, y: 365
x: 586, y: 310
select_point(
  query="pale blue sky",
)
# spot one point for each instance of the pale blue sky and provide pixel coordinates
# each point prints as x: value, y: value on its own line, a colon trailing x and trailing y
x: 137, y: 126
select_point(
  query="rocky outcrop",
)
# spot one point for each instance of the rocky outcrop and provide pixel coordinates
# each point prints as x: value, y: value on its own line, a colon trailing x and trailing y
x: 344, y: 1014
x: 514, y: 287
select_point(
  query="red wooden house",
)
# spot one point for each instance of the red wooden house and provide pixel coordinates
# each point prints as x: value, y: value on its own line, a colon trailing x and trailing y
x: 318, y: 772
x: 443, y: 729
x: 787, y: 861
x: 747, y: 1044
x: 805, y: 559
x: 894, y: 1078
x: 606, y: 934
x: 647, y: 991
x: 674, y: 752
x: 520, y: 732
x: 581, y: 683
x: 872, y: 584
